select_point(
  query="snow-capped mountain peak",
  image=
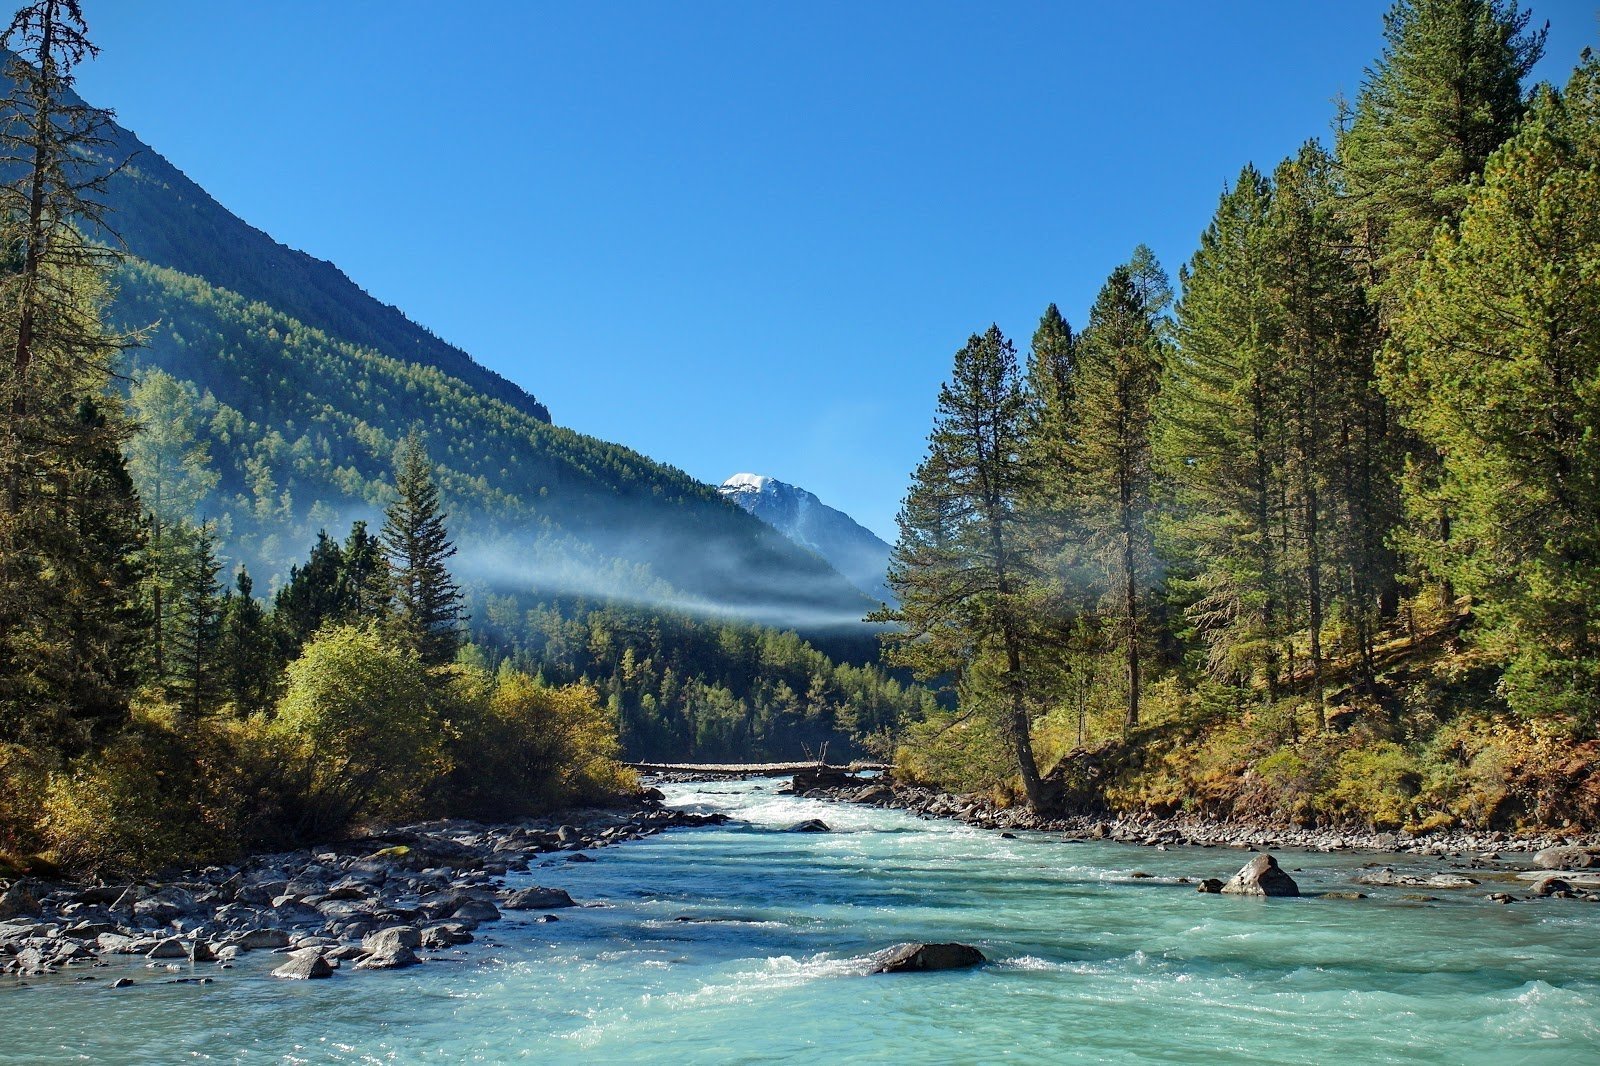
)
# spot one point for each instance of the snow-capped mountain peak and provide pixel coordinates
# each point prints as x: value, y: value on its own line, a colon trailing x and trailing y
x: 852, y: 549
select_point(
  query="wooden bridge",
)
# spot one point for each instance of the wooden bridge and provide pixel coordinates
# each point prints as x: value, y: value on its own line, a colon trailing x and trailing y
x: 751, y: 769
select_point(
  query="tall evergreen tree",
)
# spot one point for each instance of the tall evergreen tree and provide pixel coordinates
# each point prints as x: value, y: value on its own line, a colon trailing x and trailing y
x: 247, y: 654
x: 961, y: 567
x: 1445, y: 92
x: 1501, y: 348
x: 61, y: 430
x: 427, y: 603
x: 313, y: 597
x: 1323, y: 338
x: 364, y: 585
x: 1120, y: 362
x: 195, y: 677
x: 171, y: 465
x: 1221, y: 441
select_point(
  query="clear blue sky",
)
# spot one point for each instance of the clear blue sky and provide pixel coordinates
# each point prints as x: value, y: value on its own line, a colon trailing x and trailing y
x: 736, y: 236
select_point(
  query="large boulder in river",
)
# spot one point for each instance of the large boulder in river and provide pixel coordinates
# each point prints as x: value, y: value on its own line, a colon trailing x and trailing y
x: 810, y: 825
x: 1567, y: 857
x: 390, y: 949
x: 914, y: 958
x: 538, y: 899
x: 305, y: 965
x: 1261, y: 876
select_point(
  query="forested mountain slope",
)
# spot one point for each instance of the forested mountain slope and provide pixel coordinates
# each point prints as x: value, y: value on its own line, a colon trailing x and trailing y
x: 307, y: 383
x: 167, y: 220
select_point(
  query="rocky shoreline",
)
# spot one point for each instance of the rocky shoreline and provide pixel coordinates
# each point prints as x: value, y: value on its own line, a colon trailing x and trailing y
x: 382, y: 901
x: 1151, y: 831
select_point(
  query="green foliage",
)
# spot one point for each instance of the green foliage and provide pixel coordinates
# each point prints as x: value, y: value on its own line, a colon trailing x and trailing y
x: 520, y: 746
x: 427, y: 601
x: 961, y: 567
x: 356, y: 715
x: 1498, y: 358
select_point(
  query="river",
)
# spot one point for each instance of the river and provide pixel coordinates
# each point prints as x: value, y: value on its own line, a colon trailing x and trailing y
x: 1088, y: 964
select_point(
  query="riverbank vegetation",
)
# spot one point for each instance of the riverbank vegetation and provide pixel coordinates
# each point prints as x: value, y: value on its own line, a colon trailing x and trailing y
x: 148, y: 715
x: 1317, y: 541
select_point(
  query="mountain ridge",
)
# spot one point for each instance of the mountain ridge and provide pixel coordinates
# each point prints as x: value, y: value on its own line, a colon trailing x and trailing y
x: 848, y: 546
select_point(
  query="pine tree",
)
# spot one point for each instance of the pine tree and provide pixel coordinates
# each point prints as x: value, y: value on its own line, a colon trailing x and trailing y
x: 247, y: 654
x: 1446, y: 91
x: 1323, y: 338
x: 1221, y: 441
x: 59, y: 560
x: 427, y: 603
x: 1502, y: 352
x: 171, y: 465
x: 1121, y: 356
x: 960, y: 567
x: 195, y: 678
x: 364, y: 586
x: 312, y: 598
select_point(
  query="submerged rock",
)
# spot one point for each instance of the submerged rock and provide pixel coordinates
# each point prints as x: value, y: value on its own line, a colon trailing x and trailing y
x: 912, y: 958
x: 810, y: 825
x: 1262, y: 876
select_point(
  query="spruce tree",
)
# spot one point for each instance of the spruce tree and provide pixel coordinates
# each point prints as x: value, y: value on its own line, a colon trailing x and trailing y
x: 427, y: 603
x: 1121, y: 356
x: 1221, y: 441
x: 312, y: 598
x: 1445, y: 92
x: 196, y: 670
x: 61, y: 430
x: 1502, y: 355
x: 247, y: 654
x: 364, y: 586
x: 961, y: 567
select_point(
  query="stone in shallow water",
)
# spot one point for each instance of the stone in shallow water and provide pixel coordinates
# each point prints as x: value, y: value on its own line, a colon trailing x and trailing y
x: 538, y: 899
x: 307, y: 965
x: 1262, y: 876
x: 810, y: 825
x: 915, y: 958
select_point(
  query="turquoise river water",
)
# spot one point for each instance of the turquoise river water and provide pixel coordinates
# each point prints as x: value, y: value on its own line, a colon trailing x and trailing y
x: 1088, y: 964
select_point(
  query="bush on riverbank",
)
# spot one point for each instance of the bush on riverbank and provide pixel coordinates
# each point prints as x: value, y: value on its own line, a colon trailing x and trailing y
x: 1431, y: 744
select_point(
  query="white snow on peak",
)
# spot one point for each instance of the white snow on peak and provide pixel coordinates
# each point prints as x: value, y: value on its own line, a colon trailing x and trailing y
x: 749, y: 483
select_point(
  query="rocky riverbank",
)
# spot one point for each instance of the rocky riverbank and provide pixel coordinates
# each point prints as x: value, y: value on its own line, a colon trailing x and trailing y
x: 380, y: 901
x: 1151, y: 831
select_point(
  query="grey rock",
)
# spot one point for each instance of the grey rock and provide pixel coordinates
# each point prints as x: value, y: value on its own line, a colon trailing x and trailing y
x: 1567, y: 857
x: 1261, y: 876
x: 810, y: 825
x: 255, y: 939
x: 477, y: 910
x: 1552, y: 885
x: 445, y: 934
x: 170, y: 948
x: 17, y: 902
x: 307, y: 965
x: 538, y: 899
x: 913, y: 958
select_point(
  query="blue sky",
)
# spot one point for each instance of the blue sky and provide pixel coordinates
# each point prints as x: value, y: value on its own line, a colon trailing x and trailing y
x: 737, y: 236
